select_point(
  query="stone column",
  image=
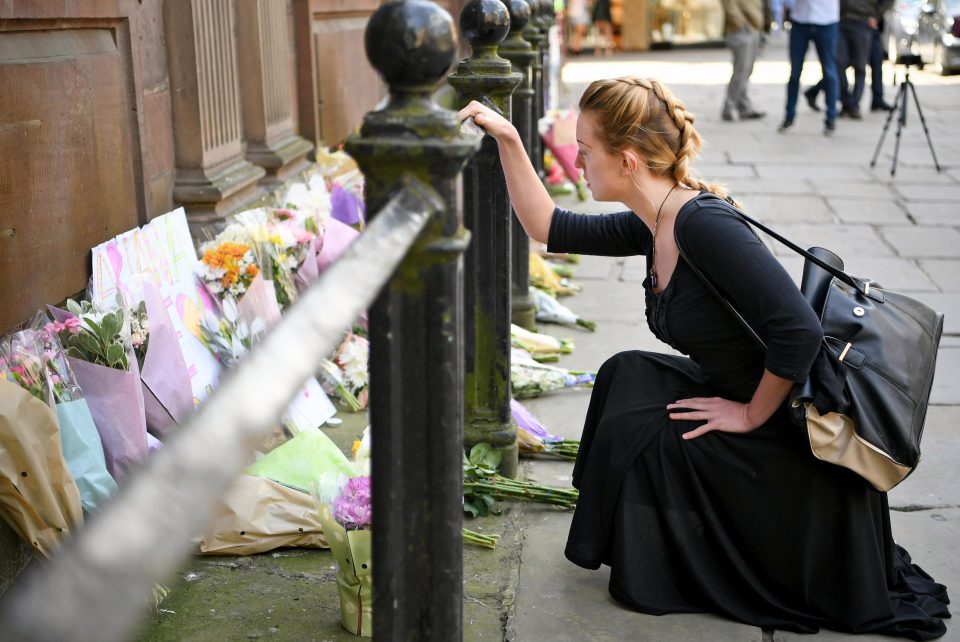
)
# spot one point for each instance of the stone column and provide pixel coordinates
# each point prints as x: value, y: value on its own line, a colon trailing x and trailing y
x: 266, y: 91
x: 521, y: 55
x: 487, y: 78
x: 416, y: 334
x: 213, y: 178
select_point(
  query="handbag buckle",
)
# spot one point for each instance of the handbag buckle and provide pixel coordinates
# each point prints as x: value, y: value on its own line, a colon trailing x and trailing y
x: 844, y: 352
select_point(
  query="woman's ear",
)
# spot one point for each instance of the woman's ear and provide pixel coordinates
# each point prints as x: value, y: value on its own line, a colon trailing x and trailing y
x: 629, y: 161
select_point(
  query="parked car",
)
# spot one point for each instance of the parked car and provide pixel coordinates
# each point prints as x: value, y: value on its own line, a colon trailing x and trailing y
x: 938, y: 35
x: 900, y: 25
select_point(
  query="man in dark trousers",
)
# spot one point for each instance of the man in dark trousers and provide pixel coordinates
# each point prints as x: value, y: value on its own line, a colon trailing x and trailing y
x: 859, y: 20
x: 743, y: 22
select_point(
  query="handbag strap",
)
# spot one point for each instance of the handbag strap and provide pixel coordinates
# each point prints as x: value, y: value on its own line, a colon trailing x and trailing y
x: 840, y: 274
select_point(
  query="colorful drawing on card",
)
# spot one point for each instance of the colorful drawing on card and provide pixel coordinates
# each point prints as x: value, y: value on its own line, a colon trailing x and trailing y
x: 161, y: 252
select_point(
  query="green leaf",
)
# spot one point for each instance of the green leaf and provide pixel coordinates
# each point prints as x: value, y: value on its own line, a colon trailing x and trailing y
x: 116, y: 357
x: 89, y: 343
x: 110, y: 326
x: 76, y: 353
x: 93, y: 325
x: 484, y: 455
x: 74, y: 308
x: 470, y: 509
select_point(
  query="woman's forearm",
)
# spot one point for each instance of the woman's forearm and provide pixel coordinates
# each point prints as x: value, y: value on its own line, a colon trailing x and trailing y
x: 769, y: 395
x: 528, y: 196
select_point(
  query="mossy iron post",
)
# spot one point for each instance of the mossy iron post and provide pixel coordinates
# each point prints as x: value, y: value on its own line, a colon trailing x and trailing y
x: 537, y: 39
x: 489, y: 79
x: 416, y: 334
x: 521, y: 55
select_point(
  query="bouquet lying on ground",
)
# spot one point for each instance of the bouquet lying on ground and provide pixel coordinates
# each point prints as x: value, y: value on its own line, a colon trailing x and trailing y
x: 540, y: 346
x: 549, y: 310
x: 545, y: 277
x: 530, y: 378
x: 483, y: 486
x: 533, y: 438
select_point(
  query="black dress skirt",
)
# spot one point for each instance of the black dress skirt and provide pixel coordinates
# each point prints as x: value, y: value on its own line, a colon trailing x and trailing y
x: 752, y: 526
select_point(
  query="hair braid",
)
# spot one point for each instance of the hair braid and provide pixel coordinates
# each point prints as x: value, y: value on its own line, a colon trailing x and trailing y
x: 662, y: 131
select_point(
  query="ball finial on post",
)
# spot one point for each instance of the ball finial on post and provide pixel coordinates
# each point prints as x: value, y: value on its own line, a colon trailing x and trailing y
x: 484, y: 23
x: 411, y: 43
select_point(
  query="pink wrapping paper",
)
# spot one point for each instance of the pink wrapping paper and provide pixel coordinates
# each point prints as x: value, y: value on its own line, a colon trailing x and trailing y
x: 561, y: 140
x: 167, y: 395
x: 337, y: 237
x: 115, y: 398
x: 260, y: 300
x: 309, y: 271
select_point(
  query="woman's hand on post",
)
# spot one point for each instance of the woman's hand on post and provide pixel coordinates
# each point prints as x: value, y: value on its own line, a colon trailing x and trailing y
x: 718, y: 413
x: 493, y: 123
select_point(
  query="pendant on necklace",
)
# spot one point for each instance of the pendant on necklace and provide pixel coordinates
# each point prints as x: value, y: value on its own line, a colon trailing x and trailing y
x: 653, y: 281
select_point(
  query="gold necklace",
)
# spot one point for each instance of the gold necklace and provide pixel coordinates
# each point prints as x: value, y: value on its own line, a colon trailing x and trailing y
x: 653, y: 248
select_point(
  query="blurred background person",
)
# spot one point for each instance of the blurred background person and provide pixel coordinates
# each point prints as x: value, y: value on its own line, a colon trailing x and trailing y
x: 579, y: 20
x: 743, y: 24
x: 817, y: 21
x: 603, y: 21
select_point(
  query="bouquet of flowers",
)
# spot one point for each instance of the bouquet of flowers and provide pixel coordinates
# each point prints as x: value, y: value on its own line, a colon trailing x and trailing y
x: 483, y: 486
x: 303, y: 228
x: 100, y: 353
x: 347, y: 518
x: 542, y: 347
x: 351, y: 357
x: 532, y: 379
x: 229, y: 337
x: 534, y: 438
x: 544, y: 277
x: 79, y: 439
x: 227, y: 268
x: 549, y: 310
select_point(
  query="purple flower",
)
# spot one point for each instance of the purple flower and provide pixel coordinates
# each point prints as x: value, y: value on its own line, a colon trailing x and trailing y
x: 352, y: 507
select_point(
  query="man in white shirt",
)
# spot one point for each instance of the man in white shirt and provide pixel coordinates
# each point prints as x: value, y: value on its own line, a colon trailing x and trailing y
x: 816, y: 20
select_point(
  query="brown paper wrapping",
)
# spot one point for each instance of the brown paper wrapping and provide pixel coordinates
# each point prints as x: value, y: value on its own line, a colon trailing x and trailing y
x: 38, y: 497
x: 260, y: 515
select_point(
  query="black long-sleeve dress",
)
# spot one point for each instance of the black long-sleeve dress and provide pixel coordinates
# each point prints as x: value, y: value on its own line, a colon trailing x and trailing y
x: 751, y: 526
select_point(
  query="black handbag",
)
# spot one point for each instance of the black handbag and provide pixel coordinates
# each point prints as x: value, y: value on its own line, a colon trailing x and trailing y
x: 864, y: 404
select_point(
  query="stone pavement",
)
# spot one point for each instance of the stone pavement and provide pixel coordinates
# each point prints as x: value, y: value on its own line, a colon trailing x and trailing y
x: 904, y: 232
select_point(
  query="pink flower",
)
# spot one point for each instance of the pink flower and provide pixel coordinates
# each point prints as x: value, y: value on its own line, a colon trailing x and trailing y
x: 72, y: 324
x: 352, y: 507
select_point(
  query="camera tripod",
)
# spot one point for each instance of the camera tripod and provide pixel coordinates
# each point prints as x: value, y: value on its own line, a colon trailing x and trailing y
x: 900, y: 109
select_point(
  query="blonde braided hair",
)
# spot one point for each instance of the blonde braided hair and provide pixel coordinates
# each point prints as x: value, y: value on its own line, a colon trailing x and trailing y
x: 661, y: 130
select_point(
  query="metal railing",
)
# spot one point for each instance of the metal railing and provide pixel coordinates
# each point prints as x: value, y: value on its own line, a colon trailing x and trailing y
x: 407, y: 268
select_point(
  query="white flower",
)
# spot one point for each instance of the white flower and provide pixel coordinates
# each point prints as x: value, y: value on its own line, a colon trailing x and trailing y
x: 352, y: 357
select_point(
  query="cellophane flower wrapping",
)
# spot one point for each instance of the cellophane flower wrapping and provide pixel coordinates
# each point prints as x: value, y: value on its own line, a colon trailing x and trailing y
x: 79, y: 438
x: 167, y: 393
x: 114, y: 394
x: 530, y: 378
x: 39, y: 499
x: 347, y: 519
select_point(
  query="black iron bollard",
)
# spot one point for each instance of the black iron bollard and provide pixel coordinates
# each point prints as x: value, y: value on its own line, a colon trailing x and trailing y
x: 487, y: 78
x: 416, y: 335
x: 521, y: 55
x: 536, y: 36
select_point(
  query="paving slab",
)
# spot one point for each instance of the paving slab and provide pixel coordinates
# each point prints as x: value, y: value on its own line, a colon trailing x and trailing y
x: 774, y: 210
x: 901, y: 275
x: 923, y: 241
x: 946, y: 381
x: 869, y: 189
x: 915, y: 175
x: 869, y: 210
x: 921, y: 192
x: 844, y: 240
x: 935, y: 213
x: 813, y: 172
x: 715, y: 171
x: 945, y: 273
x: 741, y: 187
x: 925, y: 487
x: 948, y: 304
